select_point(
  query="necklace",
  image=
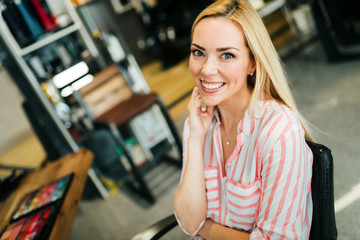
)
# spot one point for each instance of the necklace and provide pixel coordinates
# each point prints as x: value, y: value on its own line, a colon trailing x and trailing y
x: 227, y: 140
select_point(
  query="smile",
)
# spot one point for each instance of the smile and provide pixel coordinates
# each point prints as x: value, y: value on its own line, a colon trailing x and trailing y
x: 211, y: 87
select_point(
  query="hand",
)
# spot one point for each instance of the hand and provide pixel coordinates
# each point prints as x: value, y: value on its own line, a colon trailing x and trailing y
x: 212, y: 230
x: 199, y: 120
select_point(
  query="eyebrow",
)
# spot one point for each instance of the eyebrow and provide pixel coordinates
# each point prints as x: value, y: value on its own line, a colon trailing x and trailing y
x: 226, y: 48
x: 218, y: 49
x: 194, y: 44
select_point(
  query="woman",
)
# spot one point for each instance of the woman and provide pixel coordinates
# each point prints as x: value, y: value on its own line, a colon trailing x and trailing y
x: 247, y: 168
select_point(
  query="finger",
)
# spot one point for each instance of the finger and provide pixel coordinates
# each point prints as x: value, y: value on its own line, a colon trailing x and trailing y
x: 204, y: 107
x: 195, y: 99
x: 195, y: 93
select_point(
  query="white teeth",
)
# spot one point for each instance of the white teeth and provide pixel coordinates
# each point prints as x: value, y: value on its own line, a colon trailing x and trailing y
x: 212, y: 86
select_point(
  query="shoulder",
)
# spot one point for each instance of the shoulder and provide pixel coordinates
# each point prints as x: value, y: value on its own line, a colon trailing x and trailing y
x: 276, y: 120
x: 279, y: 114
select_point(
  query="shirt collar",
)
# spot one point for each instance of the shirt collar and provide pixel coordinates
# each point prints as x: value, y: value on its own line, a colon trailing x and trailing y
x: 216, y: 115
x: 246, y: 125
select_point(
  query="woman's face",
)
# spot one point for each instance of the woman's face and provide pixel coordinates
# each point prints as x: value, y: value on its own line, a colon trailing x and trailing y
x: 219, y: 61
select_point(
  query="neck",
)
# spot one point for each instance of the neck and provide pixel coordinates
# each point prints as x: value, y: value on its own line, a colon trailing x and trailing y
x: 232, y: 111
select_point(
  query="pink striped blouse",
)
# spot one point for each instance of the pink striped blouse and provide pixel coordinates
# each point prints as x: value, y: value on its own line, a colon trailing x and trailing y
x: 265, y: 188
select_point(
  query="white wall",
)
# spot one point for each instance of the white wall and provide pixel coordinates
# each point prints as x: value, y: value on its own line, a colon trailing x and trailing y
x: 14, y: 125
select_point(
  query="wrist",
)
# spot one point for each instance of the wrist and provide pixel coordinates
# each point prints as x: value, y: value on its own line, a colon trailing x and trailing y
x: 196, y: 139
x: 205, y: 229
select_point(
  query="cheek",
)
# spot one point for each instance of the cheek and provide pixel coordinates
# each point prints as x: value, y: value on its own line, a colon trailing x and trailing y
x: 232, y: 75
x: 193, y: 67
x: 238, y: 72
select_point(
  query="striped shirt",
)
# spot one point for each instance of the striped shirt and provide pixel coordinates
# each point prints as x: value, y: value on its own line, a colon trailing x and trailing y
x: 265, y: 186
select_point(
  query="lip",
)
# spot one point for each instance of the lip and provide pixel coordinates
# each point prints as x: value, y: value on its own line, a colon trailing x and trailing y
x: 211, y: 90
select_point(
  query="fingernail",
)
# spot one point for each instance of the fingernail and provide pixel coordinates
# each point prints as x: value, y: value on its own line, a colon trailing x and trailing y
x: 203, y: 107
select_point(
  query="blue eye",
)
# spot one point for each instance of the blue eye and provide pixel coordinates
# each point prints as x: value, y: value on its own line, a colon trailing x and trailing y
x: 227, y: 56
x: 197, y: 53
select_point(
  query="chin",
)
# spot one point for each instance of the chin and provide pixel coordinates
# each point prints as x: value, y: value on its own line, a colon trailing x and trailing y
x: 209, y: 102
x: 210, y: 105
x: 211, y: 99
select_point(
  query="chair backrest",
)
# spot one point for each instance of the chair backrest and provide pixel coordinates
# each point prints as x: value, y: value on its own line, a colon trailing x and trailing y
x: 108, y: 89
x: 322, y: 187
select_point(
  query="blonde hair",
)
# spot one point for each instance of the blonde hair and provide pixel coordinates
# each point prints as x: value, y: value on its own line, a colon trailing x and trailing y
x: 269, y: 78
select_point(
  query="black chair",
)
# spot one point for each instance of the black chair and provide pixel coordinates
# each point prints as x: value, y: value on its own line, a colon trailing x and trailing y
x: 322, y: 186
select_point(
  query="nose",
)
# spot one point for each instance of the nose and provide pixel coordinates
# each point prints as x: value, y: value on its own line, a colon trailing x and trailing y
x: 209, y: 67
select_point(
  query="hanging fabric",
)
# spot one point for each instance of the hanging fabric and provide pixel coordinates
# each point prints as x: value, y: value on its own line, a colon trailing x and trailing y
x: 32, y: 24
x: 14, y: 24
x: 47, y: 9
x: 48, y: 23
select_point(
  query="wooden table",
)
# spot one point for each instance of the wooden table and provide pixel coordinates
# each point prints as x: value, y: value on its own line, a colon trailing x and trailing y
x: 18, y: 156
x: 77, y: 163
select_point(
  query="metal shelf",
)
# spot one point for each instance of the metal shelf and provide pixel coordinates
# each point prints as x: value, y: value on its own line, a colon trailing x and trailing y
x: 49, y: 38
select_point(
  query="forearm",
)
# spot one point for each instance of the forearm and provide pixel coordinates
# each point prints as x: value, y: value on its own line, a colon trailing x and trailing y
x: 190, y: 198
x: 216, y: 231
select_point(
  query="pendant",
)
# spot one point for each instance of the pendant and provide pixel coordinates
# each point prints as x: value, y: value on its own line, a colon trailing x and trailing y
x: 227, y: 142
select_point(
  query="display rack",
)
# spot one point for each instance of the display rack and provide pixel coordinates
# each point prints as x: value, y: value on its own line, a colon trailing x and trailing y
x: 151, y: 128
x: 18, y: 53
x: 127, y: 66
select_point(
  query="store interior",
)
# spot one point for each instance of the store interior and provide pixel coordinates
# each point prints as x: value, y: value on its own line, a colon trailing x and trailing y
x: 112, y: 77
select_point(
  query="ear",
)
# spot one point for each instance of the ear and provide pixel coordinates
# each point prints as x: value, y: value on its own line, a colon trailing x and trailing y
x: 252, y: 67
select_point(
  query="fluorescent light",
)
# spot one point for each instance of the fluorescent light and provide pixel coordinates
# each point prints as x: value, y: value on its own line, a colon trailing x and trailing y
x: 77, y: 85
x: 66, y: 91
x: 82, y: 82
x: 71, y: 74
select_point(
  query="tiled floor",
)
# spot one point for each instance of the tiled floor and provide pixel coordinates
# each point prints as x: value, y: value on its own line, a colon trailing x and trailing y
x: 327, y: 95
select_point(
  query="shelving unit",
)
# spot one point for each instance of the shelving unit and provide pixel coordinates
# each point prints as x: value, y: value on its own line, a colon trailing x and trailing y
x: 148, y: 135
x: 151, y: 129
x: 19, y: 53
x: 130, y: 69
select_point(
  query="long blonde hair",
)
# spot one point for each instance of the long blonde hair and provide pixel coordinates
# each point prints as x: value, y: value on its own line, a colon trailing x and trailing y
x: 269, y: 78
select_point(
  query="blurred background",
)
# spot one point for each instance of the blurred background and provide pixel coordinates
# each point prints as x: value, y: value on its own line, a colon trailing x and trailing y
x: 69, y: 66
